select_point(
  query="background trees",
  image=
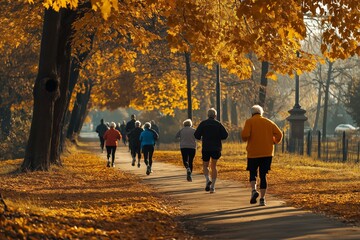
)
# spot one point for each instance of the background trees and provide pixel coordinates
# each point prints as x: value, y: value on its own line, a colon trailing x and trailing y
x: 131, y: 53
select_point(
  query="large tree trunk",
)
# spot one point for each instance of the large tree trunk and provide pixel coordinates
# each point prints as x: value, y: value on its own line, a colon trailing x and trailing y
x: 326, y: 100
x: 46, y: 91
x: 64, y: 58
x: 188, y: 83
x: 263, y: 83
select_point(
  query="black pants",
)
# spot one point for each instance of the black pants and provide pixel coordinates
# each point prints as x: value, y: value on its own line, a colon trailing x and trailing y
x: 111, y: 150
x: 148, y: 151
x: 188, y: 155
x: 102, y: 142
x: 135, y: 150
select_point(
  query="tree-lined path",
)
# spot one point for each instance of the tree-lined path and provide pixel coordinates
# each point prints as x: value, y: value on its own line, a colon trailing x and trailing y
x: 227, y: 214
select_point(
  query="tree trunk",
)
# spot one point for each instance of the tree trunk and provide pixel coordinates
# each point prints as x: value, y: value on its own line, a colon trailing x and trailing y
x: 46, y: 91
x: 75, y: 113
x: 318, y: 108
x: 218, y: 92
x: 188, y: 83
x: 83, y: 108
x: 326, y: 100
x: 263, y: 83
x: 64, y: 59
x: 5, y: 120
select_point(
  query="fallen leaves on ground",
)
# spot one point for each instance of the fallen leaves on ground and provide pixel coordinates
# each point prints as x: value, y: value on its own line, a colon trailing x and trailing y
x: 83, y: 200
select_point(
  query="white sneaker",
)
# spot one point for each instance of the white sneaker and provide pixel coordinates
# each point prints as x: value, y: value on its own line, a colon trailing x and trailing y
x: 212, y: 190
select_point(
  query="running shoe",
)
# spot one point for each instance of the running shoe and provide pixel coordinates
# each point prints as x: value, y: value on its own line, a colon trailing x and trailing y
x: 254, y: 196
x: 262, y: 202
x: 148, y: 170
x: 108, y: 164
x: 138, y: 164
x: 133, y: 162
x: 188, y: 176
x: 207, y: 188
x: 212, y: 190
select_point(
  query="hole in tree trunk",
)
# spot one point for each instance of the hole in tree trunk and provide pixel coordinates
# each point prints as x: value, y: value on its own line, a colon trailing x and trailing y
x: 51, y: 85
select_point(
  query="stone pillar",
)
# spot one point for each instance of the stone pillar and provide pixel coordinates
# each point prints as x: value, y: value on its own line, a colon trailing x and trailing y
x: 296, y: 119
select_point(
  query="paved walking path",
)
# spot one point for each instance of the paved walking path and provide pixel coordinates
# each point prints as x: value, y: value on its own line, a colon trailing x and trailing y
x: 227, y: 213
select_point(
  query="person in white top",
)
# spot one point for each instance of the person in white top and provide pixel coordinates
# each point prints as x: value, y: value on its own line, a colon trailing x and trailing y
x: 187, y: 146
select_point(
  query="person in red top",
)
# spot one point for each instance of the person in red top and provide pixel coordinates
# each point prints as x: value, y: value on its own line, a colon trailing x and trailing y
x: 111, y: 137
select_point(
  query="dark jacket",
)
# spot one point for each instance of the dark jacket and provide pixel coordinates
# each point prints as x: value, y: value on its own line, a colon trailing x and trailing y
x: 130, y: 126
x: 101, y: 129
x: 211, y: 132
x: 134, y: 137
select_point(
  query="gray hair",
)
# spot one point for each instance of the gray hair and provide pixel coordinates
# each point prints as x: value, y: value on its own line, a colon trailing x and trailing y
x: 212, y: 113
x: 137, y: 123
x: 112, y: 125
x: 187, y: 123
x: 147, y: 125
x: 257, y: 109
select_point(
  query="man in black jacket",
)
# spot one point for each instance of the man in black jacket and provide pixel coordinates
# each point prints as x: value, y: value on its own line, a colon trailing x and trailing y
x: 211, y: 132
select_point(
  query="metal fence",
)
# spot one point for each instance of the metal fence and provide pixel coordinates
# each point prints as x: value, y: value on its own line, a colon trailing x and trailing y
x: 340, y: 148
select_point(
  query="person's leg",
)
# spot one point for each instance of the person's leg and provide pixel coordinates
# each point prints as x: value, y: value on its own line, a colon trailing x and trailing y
x: 133, y: 155
x: 206, y: 159
x: 252, y: 167
x: 108, y: 153
x: 151, y: 152
x: 146, y: 155
x: 102, y: 143
x: 184, y: 156
x: 192, y: 152
x: 264, y: 168
x: 138, y: 152
x: 213, y: 174
x: 113, y: 156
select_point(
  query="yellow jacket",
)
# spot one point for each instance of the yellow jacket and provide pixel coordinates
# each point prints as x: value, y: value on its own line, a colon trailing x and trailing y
x: 260, y: 134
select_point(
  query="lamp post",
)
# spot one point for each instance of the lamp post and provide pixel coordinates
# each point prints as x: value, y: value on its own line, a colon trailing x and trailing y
x: 296, y: 119
x: 218, y: 92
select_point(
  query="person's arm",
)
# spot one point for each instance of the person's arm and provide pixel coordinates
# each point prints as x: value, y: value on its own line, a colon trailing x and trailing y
x: 177, y: 136
x: 277, y: 134
x: 223, y: 132
x: 156, y: 135
x: 198, y: 132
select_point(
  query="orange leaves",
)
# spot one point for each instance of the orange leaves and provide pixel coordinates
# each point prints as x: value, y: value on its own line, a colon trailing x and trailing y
x: 83, y: 200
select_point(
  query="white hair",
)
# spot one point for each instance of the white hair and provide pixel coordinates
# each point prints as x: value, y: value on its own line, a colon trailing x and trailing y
x: 212, y: 113
x: 112, y: 125
x: 257, y: 109
x: 147, y: 125
x: 137, y: 123
x: 187, y: 123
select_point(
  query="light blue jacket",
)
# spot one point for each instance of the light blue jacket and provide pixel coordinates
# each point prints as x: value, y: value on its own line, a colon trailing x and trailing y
x: 148, y: 137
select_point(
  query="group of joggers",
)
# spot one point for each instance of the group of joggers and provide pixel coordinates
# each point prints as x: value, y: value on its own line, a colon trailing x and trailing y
x: 259, y: 132
x: 141, y: 140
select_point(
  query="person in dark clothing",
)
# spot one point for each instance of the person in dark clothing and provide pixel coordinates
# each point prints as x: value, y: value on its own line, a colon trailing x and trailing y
x: 135, y: 144
x: 122, y: 130
x: 211, y: 132
x: 101, y: 129
x: 130, y: 125
x: 156, y: 129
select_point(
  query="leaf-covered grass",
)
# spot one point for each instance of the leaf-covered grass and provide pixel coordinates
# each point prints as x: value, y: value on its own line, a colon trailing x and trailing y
x: 83, y: 200
x: 330, y: 188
